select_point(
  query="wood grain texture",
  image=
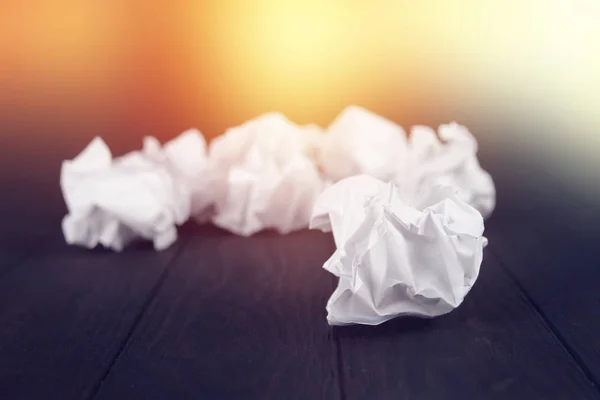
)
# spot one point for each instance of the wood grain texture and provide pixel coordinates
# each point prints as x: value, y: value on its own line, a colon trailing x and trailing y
x: 65, y: 313
x: 494, y: 346
x: 19, y: 242
x: 552, y: 252
x: 245, y: 317
x: 237, y: 318
x: 29, y: 216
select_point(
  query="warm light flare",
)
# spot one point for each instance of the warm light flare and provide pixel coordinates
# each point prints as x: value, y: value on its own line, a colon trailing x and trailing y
x: 233, y: 60
x: 44, y: 43
x: 299, y: 57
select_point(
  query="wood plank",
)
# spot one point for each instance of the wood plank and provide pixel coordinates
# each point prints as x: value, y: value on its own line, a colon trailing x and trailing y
x: 236, y: 318
x: 19, y: 242
x: 552, y: 253
x: 65, y: 314
x: 27, y: 222
x: 495, y: 346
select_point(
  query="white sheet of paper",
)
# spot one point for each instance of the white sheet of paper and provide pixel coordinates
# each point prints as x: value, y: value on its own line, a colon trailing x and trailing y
x: 264, y: 174
x: 361, y: 142
x: 263, y: 177
x: 187, y: 159
x: 397, y: 254
x: 451, y: 159
x: 143, y: 194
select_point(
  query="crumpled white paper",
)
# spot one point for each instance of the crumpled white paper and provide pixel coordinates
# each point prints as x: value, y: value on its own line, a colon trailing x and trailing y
x: 144, y: 194
x: 263, y: 176
x: 397, y: 254
x: 187, y: 160
x: 451, y: 159
x: 361, y: 142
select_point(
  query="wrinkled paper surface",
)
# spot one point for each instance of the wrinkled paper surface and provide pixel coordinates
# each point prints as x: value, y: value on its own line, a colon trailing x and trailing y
x: 407, y: 214
x: 361, y: 142
x: 449, y: 160
x: 263, y: 176
x: 415, y: 253
x: 143, y: 194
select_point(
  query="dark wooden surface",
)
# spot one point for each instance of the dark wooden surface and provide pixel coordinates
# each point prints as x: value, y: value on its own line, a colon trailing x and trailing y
x: 236, y: 318
x: 552, y: 253
x: 220, y: 316
x: 65, y: 314
x: 495, y: 346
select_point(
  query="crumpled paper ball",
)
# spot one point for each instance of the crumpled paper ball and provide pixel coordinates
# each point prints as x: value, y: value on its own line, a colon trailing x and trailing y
x: 397, y: 253
x: 449, y: 160
x: 141, y: 195
x: 263, y: 176
x: 361, y: 142
x: 187, y: 160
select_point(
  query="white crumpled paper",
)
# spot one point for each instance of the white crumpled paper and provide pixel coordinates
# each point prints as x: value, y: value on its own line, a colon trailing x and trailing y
x: 144, y: 194
x: 397, y: 253
x: 187, y: 160
x: 361, y: 142
x: 451, y: 159
x: 263, y: 176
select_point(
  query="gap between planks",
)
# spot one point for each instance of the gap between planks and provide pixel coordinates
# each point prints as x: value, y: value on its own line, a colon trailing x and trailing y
x: 546, y: 321
x: 172, y: 263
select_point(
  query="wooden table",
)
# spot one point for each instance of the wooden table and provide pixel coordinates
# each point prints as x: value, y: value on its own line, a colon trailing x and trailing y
x: 225, y: 317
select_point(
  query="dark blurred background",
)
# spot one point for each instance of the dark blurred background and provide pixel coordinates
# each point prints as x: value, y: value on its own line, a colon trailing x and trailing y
x: 521, y: 74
